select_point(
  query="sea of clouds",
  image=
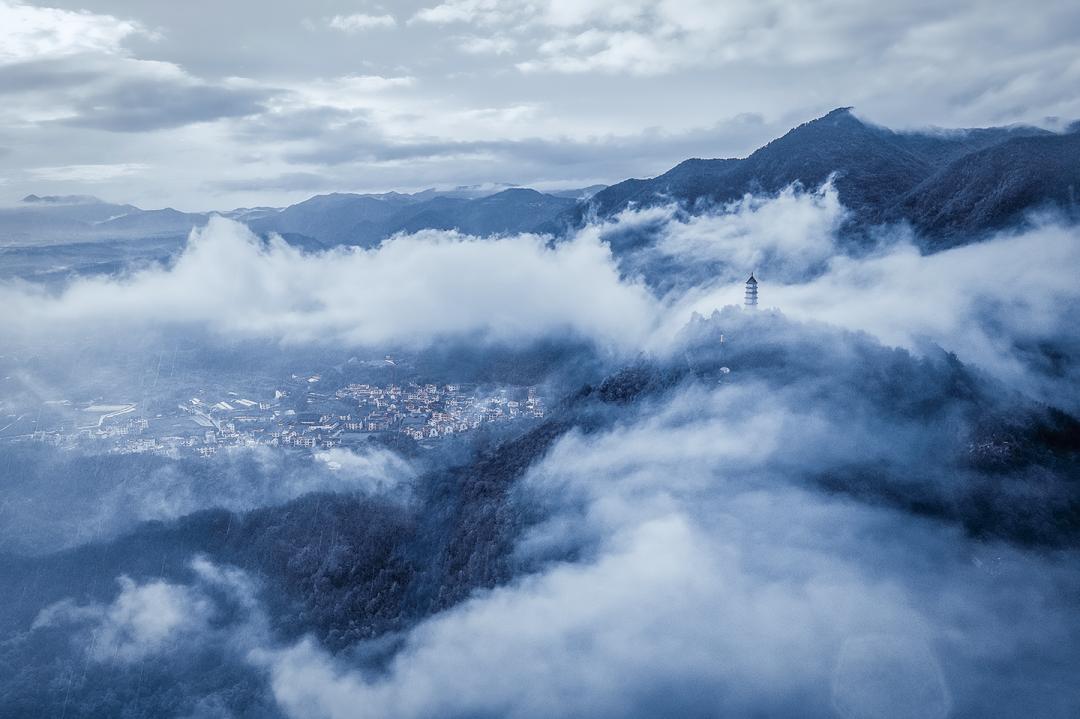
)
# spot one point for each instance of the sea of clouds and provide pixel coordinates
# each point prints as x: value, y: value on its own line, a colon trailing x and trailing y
x: 710, y: 580
x: 688, y: 562
x: 1004, y: 304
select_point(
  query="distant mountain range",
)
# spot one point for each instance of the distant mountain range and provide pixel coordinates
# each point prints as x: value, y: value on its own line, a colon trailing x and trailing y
x: 365, y: 220
x: 323, y: 220
x: 952, y: 186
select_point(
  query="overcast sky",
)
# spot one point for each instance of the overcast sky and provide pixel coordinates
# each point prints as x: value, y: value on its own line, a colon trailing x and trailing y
x: 212, y: 105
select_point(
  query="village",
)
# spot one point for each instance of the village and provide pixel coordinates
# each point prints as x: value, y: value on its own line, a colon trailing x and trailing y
x: 294, y: 415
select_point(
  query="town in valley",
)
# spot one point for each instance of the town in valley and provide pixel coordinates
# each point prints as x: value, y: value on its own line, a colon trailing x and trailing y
x: 298, y: 412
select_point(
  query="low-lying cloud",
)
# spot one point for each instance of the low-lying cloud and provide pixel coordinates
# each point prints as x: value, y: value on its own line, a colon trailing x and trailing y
x: 710, y: 580
x: 413, y: 290
x: 64, y: 500
x: 143, y: 620
x: 627, y: 285
x: 1004, y: 305
x: 147, y: 620
x: 794, y: 537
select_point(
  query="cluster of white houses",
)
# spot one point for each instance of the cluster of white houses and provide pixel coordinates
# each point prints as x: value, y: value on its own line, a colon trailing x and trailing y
x: 204, y: 426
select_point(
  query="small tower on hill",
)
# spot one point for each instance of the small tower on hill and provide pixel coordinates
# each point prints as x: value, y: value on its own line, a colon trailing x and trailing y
x: 751, y: 293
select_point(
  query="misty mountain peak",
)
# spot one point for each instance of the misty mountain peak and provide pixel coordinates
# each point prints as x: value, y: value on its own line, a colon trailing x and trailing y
x: 841, y: 120
x: 62, y: 200
x: 840, y: 115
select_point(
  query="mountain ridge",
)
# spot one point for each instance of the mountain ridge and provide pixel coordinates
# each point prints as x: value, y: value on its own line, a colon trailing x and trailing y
x: 951, y: 185
x: 876, y: 170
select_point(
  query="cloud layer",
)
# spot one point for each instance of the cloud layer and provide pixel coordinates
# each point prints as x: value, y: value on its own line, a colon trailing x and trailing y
x: 710, y: 583
x: 794, y: 537
x: 682, y: 563
x: 576, y: 93
x: 627, y: 285
x: 68, y: 500
x: 412, y: 290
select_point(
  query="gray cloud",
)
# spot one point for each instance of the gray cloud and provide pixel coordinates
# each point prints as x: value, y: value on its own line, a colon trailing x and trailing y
x: 144, y: 105
x: 355, y: 154
x: 43, y: 75
x: 301, y: 124
x: 287, y: 182
x: 660, y: 38
x: 84, y: 83
x: 588, y: 74
x: 362, y: 142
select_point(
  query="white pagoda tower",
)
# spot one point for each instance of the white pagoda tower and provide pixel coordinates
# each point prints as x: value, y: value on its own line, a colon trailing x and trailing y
x: 751, y: 293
